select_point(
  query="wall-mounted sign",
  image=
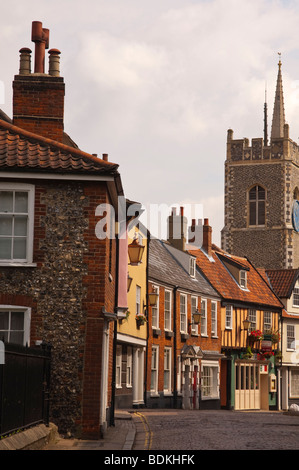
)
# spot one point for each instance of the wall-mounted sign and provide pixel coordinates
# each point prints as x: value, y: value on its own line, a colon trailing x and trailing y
x: 264, y: 369
x: 266, y: 345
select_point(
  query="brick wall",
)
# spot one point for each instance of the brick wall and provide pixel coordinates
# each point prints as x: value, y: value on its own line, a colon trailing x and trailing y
x: 38, y: 105
x: 176, y: 341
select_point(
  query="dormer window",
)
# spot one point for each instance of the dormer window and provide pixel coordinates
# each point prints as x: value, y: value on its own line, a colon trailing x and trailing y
x: 192, y: 265
x: 243, y: 279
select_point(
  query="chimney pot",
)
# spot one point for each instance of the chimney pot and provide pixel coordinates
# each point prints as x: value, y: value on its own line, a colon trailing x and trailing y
x: 105, y: 157
x: 54, y: 62
x: 40, y: 36
x: 25, y: 61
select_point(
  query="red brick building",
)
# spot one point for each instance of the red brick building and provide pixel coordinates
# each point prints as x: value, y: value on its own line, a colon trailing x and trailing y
x: 249, y: 309
x: 58, y: 277
x: 183, y: 367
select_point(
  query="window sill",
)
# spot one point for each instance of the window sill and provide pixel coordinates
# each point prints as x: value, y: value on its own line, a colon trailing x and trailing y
x: 156, y: 332
x: 184, y: 336
x: 169, y: 334
x: 209, y: 398
x: 18, y: 265
x: 154, y: 394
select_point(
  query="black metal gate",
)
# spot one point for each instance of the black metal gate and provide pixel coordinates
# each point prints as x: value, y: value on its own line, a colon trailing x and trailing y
x: 24, y: 387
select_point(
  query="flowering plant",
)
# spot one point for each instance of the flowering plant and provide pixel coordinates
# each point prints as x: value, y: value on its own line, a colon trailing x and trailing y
x: 265, y: 355
x: 256, y: 335
x: 273, y: 336
x: 140, y: 318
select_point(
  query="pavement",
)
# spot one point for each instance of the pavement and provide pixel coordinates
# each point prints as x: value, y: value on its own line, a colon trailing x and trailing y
x: 128, y: 433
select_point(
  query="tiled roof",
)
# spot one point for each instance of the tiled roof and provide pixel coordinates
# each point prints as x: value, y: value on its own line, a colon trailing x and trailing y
x: 258, y: 291
x: 163, y: 267
x: 24, y: 151
x: 282, y: 281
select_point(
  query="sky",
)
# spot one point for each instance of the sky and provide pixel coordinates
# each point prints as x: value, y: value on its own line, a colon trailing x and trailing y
x: 156, y: 85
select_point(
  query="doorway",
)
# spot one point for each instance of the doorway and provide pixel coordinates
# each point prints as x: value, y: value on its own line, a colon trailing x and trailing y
x: 247, y: 386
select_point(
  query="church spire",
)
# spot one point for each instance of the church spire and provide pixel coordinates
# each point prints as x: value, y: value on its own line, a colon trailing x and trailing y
x: 278, y: 120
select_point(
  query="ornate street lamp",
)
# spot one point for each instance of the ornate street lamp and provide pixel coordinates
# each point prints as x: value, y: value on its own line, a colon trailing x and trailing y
x: 153, y: 298
x: 196, y: 317
x: 135, y: 251
x: 246, y: 324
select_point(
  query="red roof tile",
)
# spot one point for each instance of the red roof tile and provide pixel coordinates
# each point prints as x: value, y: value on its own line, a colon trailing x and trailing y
x: 282, y: 281
x: 258, y: 290
x: 24, y: 151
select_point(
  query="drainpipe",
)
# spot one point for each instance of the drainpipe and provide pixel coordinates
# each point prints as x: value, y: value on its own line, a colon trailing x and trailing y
x: 147, y: 325
x: 104, y: 377
x: 175, y: 392
x: 112, y: 422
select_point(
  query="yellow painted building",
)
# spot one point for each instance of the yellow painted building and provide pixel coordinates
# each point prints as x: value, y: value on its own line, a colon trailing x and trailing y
x: 132, y: 331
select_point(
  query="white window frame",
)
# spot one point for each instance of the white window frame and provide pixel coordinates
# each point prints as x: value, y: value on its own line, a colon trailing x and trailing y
x: 204, y: 318
x: 167, y: 311
x: 155, y: 310
x: 209, y: 380
x: 214, y: 318
x: 30, y: 188
x: 228, y: 317
x: 27, y: 319
x: 183, y: 313
x: 167, y: 369
x: 291, y: 337
x: 194, y: 305
x: 118, y: 371
x: 296, y: 296
x: 192, y: 266
x: 154, y: 369
x: 129, y: 371
x: 252, y: 319
x: 243, y: 279
x: 267, y: 323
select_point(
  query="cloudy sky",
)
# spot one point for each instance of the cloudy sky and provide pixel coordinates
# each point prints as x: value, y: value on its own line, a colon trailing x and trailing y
x: 156, y: 84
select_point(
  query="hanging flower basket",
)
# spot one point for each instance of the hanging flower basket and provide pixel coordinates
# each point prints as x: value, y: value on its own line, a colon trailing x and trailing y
x: 265, y: 355
x: 255, y: 335
x: 275, y: 337
x: 272, y: 336
x: 140, y: 319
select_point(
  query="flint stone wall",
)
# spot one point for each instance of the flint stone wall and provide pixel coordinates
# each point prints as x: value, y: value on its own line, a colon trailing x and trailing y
x: 57, y: 290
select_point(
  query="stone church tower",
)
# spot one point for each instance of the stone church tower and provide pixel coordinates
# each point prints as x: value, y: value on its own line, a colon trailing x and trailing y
x: 262, y: 194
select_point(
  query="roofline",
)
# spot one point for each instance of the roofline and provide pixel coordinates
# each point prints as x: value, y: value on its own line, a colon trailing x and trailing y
x: 267, y: 284
x: 53, y: 143
x: 182, y: 289
x: 293, y: 282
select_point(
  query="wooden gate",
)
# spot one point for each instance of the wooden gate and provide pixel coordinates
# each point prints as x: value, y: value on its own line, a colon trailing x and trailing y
x: 247, y: 388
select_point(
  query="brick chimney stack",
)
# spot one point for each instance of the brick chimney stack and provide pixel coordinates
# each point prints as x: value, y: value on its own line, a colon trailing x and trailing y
x: 207, y: 237
x: 177, y: 229
x: 38, y: 97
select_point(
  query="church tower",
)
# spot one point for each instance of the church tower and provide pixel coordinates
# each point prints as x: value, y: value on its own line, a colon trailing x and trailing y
x: 262, y: 194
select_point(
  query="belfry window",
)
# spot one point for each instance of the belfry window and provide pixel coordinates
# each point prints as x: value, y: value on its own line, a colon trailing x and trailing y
x: 257, y: 206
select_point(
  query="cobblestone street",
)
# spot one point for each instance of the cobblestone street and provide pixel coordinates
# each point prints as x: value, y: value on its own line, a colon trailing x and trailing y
x: 217, y: 430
